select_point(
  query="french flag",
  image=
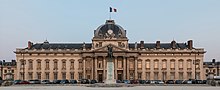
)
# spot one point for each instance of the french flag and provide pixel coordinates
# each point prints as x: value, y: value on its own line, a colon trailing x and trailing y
x: 113, y: 9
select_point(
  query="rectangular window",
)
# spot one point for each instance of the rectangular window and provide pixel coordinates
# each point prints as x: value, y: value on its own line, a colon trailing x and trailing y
x: 181, y: 76
x: 71, y: 75
x: 80, y: 76
x: 30, y: 65
x: 38, y: 65
x: 155, y: 75
x: 189, y: 75
x: 198, y: 75
x: 156, y: 64
x: 64, y: 65
x: 120, y: 64
x: 30, y: 75
x: 39, y: 76
x: 164, y: 64
x: 148, y: 75
x: 55, y: 75
x: 80, y: 65
x: 189, y: 64
x: 64, y: 76
x: 72, y: 65
x: 47, y: 65
x: 139, y: 64
x: 172, y: 75
x: 55, y: 65
x: 5, y: 71
x: 131, y: 64
x: 181, y: 64
x: 99, y: 64
x: 172, y: 65
x: 147, y: 64
x: 47, y: 75
x: 139, y: 76
x: 131, y: 75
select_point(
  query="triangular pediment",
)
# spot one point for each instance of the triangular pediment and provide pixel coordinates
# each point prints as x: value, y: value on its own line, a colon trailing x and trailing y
x: 115, y: 48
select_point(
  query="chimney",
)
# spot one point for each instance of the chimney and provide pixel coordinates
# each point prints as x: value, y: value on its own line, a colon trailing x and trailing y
x: 158, y: 44
x: 190, y: 44
x: 173, y: 44
x: 141, y: 44
x: 29, y: 44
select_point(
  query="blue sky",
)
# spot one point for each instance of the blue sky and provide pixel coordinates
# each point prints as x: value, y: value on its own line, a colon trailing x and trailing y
x: 76, y: 20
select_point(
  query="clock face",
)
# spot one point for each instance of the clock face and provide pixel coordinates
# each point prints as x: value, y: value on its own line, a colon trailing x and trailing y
x: 110, y: 31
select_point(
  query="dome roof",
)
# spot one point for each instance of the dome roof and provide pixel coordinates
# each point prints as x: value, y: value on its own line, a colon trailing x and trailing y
x: 110, y: 30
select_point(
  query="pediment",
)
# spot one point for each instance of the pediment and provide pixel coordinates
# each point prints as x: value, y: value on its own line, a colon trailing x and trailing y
x: 114, y: 48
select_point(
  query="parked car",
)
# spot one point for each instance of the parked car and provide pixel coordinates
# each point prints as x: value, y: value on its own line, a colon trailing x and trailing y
x: 160, y: 82
x: 199, y: 82
x: 56, y: 81
x: 179, y: 82
x: 17, y: 81
x: 93, y: 81
x: 64, y: 81
x: 187, y: 82
x: 73, y: 81
x: 134, y: 81
x: 170, y: 82
x: 141, y: 81
x: 24, y: 82
x: 118, y: 81
x: 46, y: 82
x: 84, y: 81
x: 153, y: 82
x: 34, y: 81
x: 126, y: 81
x: 204, y: 81
x: 147, y: 81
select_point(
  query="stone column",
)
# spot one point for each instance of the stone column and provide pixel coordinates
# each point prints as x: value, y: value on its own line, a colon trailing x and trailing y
x: 68, y: 69
x: 59, y: 69
x: 18, y: 69
x: 116, y: 67
x: 34, y: 69
x: 135, y: 66
x: 143, y: 70
x: 43, y: 65
x: 51, y: 66
x: 76, y: 69
x: 128, y: 66
x: 96, y: 68
x: 26, y: 69
x: 92, y: 68
x: 84, y: 68
x: 124, y: 68
x: 104, y: 68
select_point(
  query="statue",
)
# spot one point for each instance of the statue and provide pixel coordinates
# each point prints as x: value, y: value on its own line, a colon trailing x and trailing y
x: 110, y: 53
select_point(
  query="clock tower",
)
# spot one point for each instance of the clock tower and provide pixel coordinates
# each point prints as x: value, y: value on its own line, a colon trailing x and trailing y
x: 110, y: 33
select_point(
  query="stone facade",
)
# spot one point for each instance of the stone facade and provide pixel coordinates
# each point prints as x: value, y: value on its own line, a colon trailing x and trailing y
x: 8, y: 70
x: 146, y: 61
x: 211, y: 68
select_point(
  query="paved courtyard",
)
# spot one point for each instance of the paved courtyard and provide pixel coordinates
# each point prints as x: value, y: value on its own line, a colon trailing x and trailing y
x: 119, y: 88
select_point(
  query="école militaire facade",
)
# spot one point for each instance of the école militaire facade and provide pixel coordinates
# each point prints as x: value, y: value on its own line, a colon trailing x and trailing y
x: 139, y: 60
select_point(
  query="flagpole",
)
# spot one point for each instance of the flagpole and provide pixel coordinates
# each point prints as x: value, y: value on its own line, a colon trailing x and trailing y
x: 110, y: 16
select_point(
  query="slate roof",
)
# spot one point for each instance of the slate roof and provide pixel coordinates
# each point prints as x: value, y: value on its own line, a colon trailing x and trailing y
x: 162, y: 45
x: 89, y: 45
x: 60, y: 46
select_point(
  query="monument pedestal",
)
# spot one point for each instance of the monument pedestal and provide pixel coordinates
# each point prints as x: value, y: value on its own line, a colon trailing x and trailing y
x: 110, y: 73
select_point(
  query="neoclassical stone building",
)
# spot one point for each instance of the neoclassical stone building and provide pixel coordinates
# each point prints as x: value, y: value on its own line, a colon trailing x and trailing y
x: 139, y: 60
